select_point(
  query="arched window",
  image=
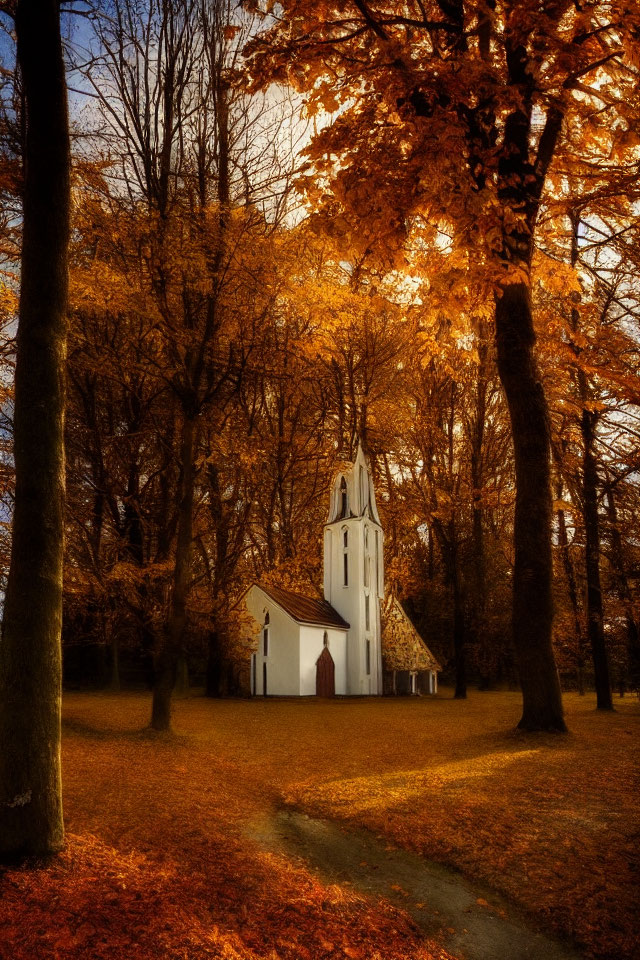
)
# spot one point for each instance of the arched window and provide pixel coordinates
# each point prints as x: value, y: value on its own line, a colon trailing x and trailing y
x: 265, y: 636
x: 366, y: 556
x: 344, y: 500
x: 345, y: 557
x: 325, y: 639
x: 367, y: 614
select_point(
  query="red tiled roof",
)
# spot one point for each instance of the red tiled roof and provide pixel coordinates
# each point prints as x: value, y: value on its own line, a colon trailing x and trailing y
x: 306, y: 609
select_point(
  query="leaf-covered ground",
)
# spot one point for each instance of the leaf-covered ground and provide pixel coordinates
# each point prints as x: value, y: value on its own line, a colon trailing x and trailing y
x: 160, y: 863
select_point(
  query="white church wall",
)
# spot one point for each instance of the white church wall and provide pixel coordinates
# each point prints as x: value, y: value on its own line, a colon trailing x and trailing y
x: 311, y: 646
x: 282, y: 660
x: 328, y: 562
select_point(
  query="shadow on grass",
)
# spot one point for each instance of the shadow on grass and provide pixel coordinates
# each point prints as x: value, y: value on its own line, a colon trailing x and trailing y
x: 103, y: 734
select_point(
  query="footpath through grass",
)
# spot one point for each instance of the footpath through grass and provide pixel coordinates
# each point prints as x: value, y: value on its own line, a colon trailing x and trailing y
x: 160, y: 864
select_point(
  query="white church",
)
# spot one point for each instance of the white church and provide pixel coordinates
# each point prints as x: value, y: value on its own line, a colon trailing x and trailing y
x: 307, y: 646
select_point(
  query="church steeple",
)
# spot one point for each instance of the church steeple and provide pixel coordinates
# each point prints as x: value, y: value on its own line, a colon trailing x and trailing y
x: 354, y: 571
x: 353, y: 494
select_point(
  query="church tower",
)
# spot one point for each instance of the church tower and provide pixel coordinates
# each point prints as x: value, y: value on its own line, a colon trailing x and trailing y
x: 354, y: 572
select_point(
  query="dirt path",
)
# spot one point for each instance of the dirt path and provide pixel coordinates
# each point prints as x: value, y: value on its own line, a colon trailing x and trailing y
x: 467, y: 920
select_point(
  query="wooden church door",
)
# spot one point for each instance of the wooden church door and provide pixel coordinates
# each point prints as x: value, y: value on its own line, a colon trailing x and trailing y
x: 325, y: 675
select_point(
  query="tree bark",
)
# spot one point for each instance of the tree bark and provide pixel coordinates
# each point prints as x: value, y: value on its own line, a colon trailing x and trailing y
x: 459, y: 635
x: 214, y: 674
x: 520, y: 185
x: 563, y: 543
x: 532, y: 576
x: 476, y: 440
x: 595, y: 614
x: 624, y: 591
x: 114, y: 683
x: 172, y: 639
x: 30, y: 653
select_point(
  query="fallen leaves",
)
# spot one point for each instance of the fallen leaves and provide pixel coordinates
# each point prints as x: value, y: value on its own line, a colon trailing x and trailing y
x: 159, y: 863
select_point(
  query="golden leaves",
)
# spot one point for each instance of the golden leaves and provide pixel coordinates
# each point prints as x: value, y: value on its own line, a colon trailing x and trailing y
x: 8, y: 302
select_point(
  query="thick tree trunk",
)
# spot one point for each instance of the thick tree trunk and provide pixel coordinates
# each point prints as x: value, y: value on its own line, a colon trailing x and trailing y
x: 595, y: 616
x: 172, y: 640
x: 30, y: 656
x: 532, y: 576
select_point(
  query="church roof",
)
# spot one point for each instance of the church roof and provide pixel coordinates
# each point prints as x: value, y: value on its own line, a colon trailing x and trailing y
x: 305, y: 609
x: 402, y: 646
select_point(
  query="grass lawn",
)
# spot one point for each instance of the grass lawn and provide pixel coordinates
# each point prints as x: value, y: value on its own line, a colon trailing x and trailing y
x: 160, y: 860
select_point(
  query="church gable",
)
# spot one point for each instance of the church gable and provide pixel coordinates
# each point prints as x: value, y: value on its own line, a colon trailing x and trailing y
x: 292, y: 633
x: 402, y: 646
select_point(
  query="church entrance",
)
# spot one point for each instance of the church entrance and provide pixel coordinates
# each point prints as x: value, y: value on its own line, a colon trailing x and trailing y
x: 325, y: 675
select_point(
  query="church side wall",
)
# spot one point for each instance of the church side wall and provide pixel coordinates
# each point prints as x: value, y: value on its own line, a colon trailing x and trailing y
x: 282, y: 660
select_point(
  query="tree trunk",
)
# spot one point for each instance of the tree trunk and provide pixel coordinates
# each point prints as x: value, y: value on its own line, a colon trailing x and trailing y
x: 595, y: 616
x: 532, y: 577
x: 30, y: 654
x: 624, y: 590
x: 563, y: 543
x: 476, y: 440
x: 173, y: 636
x: 181, y: 687
x: 588, y: 421
x: 114, y: 683
x: 459, y: 630
x: 215, y: 667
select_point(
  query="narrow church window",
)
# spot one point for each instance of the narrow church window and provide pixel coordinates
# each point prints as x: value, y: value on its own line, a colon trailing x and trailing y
x: 265, y: 636
x: 363, y: 490
x: 325, y: 639
x: 368, y: 657
x: 377, y: 563
x: 345, y: 557
x: 367, y: 617
x: 366, y: 557
x: 344, y: 503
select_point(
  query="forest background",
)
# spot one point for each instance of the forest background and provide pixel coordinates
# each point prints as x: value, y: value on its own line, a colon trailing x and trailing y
x: 273, y: 258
